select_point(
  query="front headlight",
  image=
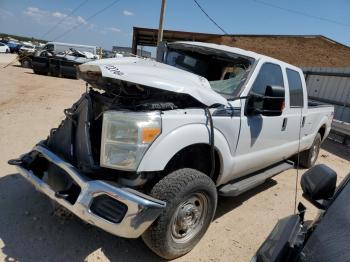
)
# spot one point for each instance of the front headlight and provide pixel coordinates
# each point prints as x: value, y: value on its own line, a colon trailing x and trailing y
x: 126, y: 137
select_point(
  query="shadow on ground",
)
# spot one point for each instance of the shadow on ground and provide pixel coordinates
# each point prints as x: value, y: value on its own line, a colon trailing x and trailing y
x: 337, y: 149
x: 30, y: 232
x: 227, y: 204
x: 18, y: 66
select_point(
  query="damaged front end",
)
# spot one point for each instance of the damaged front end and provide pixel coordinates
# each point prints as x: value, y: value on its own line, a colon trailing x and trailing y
x: 88, y: 164
x: 120, y: 211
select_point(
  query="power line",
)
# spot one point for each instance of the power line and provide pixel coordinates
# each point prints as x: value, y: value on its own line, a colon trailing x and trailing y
x: 64, y: 18
x: 302, y: 13
x: 211, y: 19
x: 89, y: 18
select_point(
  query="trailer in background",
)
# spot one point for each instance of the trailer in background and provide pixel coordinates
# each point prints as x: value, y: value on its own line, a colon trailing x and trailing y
x: 332, y: 86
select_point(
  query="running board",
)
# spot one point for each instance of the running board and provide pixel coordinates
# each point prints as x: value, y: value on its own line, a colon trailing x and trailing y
x: 236, y: 188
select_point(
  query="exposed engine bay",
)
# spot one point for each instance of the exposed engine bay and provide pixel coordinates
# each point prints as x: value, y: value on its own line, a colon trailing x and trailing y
x: 77, y: 139
x: 124, y: 95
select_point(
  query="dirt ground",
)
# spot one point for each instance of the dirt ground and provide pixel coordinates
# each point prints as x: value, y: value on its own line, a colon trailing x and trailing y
x: 30, y: 105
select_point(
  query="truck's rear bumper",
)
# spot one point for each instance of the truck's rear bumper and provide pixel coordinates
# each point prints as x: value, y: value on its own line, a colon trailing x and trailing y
x: 137, y: 210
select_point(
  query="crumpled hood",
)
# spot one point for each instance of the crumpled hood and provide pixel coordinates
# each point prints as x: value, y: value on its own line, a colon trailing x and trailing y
x: 150, y: 73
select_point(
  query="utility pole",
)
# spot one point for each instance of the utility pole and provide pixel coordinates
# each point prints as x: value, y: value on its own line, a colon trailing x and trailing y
x: 161, y: 22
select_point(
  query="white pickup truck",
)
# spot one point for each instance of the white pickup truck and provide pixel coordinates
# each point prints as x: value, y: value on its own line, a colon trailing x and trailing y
x: 150, y: 146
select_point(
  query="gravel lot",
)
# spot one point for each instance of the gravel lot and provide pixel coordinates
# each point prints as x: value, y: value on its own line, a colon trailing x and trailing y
x: 30, y: 105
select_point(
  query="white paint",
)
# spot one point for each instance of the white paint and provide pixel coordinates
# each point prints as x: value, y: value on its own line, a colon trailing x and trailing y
x: 4, y: 48
x: 245, y: 143
x: 157, y: 75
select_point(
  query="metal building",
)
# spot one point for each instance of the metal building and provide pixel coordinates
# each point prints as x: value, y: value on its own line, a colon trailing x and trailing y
x: 332, y: 86
x: 299, y: 50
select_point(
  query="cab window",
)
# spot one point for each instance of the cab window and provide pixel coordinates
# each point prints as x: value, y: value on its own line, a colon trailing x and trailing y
x: 295, y: 89
x: 269, y: 75
x: 226, y: 73
x: 49, y: 47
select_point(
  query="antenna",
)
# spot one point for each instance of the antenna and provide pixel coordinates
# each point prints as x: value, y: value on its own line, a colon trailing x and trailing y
x: 298, y: 158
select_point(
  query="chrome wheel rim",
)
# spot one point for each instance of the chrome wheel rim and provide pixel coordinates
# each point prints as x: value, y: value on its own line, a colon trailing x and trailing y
x: 189, y: 218
x: 314, y: 151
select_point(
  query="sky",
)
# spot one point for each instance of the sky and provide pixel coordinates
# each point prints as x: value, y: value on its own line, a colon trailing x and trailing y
x: 34, y: 18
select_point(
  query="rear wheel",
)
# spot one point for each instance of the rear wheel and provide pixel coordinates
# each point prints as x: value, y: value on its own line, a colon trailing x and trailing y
x: 308, y: 158
x: 191, y: 199
x: 26, y: 64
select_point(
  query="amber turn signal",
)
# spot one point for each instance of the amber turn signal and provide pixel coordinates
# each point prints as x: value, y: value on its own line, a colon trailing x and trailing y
x: 149, y: 134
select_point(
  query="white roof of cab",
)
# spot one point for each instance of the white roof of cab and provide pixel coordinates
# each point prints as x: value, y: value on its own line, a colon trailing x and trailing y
x: 224, y: 48
x: 236, y: 50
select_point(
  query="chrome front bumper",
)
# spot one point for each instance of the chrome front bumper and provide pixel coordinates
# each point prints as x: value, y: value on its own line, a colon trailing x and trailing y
x: 142, y: 209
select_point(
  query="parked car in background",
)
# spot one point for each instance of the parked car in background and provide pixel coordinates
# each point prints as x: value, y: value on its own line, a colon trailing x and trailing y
x: 58, y: 47
x: 14, y: 46
x: 4, y: 48
x: 326, y: 238
x: 61, y: 64
x: 107, y: 54
x: 150, y: 145
x: 27, y: 49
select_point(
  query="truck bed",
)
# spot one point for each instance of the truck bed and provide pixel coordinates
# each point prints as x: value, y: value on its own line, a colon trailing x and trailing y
x: 314, y: 103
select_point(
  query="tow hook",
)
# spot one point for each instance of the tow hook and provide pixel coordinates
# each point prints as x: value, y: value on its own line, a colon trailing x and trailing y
x: 24, y: 160
x: 15, y: 162
x: 62, y: 194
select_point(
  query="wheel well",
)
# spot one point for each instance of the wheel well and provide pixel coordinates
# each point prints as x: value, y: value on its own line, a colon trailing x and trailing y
x: 195, y: 156
x: 322, y: 131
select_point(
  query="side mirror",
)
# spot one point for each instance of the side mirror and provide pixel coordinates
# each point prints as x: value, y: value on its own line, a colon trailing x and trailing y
x: 318, y: 184
x: 269, y: 104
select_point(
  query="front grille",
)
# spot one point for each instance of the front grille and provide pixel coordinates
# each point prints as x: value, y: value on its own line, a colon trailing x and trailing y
x: 108, y: 208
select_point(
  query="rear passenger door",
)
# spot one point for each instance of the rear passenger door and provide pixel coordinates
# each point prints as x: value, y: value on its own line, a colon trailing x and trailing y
x: 263, y: 139
x: 295, y: 109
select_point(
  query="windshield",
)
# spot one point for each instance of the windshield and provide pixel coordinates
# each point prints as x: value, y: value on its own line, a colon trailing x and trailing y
x: 231, y: 80
x: 49, y: 47
x: 225, y: 75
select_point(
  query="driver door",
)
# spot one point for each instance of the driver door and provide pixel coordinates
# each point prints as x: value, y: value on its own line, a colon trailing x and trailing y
x: 262, y: 138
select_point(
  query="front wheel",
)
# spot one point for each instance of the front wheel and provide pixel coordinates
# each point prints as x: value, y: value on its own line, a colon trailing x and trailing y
x: 191, y: 199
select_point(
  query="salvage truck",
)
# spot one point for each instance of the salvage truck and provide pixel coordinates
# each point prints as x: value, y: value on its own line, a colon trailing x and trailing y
x: 151, y: 144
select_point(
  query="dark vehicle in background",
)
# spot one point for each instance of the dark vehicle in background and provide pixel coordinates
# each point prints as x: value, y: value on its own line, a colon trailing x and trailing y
x: 61, y: 64
x: 58, y: 47
x: 326, y: 238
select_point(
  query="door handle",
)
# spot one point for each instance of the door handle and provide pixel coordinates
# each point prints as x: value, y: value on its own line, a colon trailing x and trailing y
x: 303, y: 122
x: 284, y: 124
